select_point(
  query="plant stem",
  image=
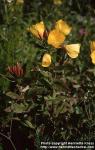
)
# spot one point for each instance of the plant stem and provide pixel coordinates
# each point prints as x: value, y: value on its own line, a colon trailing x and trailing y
x: 9, y: 139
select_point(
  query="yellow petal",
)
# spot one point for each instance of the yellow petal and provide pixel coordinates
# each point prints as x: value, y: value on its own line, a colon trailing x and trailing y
x: 93, y: 56
x: 72, y: 50
x: 46, y: 60
x: 63, y: 27
x: 57, y: 2
x: 37, y: 30
x: 56, y: 38
x: 92, y: 46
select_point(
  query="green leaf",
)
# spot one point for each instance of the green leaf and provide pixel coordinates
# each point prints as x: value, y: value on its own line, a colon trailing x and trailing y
x: 77, y: 110
x: 92, y: 70
x: 28, y: 124
x: 17, y: 108
x: 14, y: 95
x: 46, y: 74
x: 38, y: 90
x: 1, y: 147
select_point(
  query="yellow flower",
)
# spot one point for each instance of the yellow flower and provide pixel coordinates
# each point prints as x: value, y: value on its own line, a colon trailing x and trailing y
x: 37, y: 30
x: 57, y: 2
x: 72, y: 50
x: 56, y: 38
x: 92, y: 48
x: 46, y: 60
x: 19, y: 1
x: 63, y: 27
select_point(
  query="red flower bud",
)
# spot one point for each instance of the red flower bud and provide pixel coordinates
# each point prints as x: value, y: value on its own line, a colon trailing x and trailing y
x: 16, y: 70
